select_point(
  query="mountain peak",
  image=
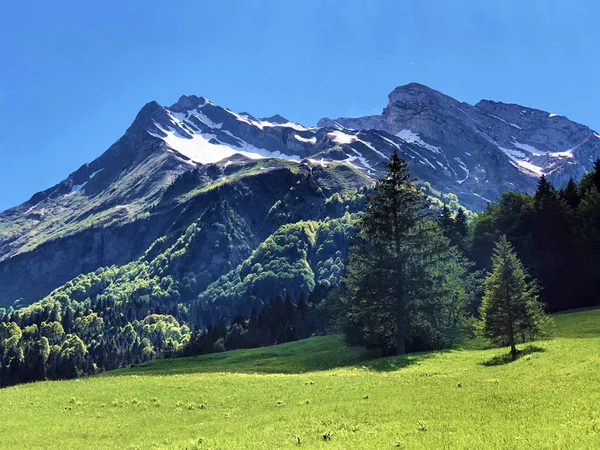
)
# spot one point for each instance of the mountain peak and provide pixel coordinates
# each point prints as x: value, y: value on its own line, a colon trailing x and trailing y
x: 415, y: 93
x: 276, y: 119
x: 187, y: 102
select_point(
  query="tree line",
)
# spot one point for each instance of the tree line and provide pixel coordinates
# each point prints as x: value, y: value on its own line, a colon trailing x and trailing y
x: 412, y: 279
x: 555, y: 232
x: 410, y: 286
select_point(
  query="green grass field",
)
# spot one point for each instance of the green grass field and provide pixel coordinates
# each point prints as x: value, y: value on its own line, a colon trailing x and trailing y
x: 320, y: 394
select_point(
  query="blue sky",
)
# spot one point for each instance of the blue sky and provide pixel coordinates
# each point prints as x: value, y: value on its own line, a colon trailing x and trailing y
x: 73, y: 74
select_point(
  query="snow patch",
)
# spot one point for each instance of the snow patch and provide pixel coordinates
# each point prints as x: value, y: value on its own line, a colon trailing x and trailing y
x: 362, y: 159
x: 513, y: 154
x: 410, y: 137
x: 530, y: 167
x: 372, y: 148
x: 483, y: 198
x: 96, y: 173
x: 262, y: 124
x: 76, y: 188
x: 463, y: 166
x: 526, y: 147
x: 426, y: 161
x: 566, y: 154
x: 312, y: 140
x: 342, y: 138
x: 520, y: 159
x: 321, y: 162
x: 204, y: 148
x: 390, y: 141
x: 507, y: 123
x: 203, y: 118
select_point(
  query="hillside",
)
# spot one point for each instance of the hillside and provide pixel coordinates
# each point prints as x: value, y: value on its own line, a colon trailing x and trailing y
x: 326, y: 395
x: 161, y: 176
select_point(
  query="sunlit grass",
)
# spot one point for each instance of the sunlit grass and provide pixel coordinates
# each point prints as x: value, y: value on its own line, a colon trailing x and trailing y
x: 324, y: 395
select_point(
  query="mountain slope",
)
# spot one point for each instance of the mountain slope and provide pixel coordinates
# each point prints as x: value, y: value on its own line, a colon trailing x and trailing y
x: 162, y: 175
x: 490, y: 146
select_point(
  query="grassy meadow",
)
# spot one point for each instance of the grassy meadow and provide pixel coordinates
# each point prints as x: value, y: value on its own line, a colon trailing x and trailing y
x: 318, y: 393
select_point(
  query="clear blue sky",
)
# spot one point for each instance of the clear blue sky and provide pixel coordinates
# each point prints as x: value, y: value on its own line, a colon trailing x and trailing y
x: 73, y: 74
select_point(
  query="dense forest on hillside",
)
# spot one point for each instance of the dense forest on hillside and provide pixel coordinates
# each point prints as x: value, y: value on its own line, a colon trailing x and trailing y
x: 295, y: 284
x: 555, y: 232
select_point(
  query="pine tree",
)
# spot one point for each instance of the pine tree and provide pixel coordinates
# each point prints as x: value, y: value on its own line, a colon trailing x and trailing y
x: 570, y: 194
x: 550, y: 249
x: 544, y: 192
x: 394, y: 265
x: 446, y: 222
x: 510, y: 306
x: 461, y: 226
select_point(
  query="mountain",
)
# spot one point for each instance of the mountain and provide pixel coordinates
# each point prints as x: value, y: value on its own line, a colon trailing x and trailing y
x: 234, y: 180
x: 488, y: 147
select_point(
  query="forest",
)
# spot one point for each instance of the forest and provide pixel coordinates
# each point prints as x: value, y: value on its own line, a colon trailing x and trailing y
x: 328, y: 276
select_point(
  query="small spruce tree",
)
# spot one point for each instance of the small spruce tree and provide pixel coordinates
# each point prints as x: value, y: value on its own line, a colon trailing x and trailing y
x: 510, y: 307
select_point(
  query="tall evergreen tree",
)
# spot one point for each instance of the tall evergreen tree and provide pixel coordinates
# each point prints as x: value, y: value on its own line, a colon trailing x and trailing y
x: 510, y: 306
x: 550, y: 249
x: 393, y: 266
x: 446, y: 222
x: 543, y: 193
x: 570, y: 194
x: 461, y: 225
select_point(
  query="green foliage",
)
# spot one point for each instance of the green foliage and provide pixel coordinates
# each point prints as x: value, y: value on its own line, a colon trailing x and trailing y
x: 292, y: 261
x: 212, y: 268
x: 555, y: 234
x: 403, y: 281
x: 510, y: 310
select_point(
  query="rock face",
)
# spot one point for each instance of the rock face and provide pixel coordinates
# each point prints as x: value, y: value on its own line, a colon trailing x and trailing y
x: 481, y: 142
x: 110, y: 210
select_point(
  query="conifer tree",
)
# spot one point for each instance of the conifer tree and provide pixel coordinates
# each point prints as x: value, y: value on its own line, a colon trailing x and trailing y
x: 544, y: 192
x: 570, y: 194
x: 395, y: 265
x: 510, y: 306
x: 460, y: 223
x: 446, y: 222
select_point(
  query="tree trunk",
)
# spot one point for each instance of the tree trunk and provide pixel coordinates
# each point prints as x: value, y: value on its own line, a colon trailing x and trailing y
x: 513, y: 349
x: 511, y: 331
x: 400, y: 336
x: 399, y: 288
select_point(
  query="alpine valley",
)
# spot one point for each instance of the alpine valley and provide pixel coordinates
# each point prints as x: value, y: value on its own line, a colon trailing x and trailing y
x: 201, y: 213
